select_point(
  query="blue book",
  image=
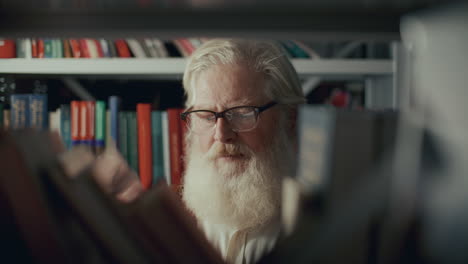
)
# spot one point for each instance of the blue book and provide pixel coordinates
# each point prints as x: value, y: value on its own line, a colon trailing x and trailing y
x: 123, y: 143
x: 114, y: 108
x: 157, y: 141
x: 65, y: 129
x: 38, y: 114
x: 19, y: 114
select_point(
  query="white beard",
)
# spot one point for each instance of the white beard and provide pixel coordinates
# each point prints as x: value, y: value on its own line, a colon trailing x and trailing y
x: 240, y: 194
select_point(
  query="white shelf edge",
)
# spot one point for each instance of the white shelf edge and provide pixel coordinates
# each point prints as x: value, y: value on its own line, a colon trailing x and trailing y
x: 175, y: 66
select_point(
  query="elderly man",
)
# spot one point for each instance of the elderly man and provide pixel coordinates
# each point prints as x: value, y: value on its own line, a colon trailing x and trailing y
x: 241, y: 99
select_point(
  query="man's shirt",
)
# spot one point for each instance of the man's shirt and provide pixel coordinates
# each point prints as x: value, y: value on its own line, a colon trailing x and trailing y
x: 242, y: 246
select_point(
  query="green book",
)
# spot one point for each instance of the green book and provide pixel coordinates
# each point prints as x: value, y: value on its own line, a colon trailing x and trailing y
x: 157, y: 141
x: 48, y: 48
x: 123, y: 137
x: 100, y: 126
x: 132, y: 140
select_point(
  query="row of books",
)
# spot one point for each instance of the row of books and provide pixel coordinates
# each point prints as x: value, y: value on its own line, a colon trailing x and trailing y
x: 150, y: 140
x: 120, y: 48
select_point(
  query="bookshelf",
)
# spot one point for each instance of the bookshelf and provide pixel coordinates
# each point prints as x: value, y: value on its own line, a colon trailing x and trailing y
x: 175, y: 67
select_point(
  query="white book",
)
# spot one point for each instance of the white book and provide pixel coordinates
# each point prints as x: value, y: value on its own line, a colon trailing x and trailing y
x: 159, y: 45
x: 151, y: 47
x: 166, y: 147
x: 93, y: 50
x: 136, y: 48
x: 54, y: 122
x: 105, y: 47
x: 27, y: 48
x: 196, y: 42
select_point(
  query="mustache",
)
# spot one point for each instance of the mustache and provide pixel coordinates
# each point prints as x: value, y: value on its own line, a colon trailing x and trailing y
x: 219, y: 149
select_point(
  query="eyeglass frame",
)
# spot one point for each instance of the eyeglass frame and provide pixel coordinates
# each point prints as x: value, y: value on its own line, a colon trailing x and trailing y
x: 258, y: 111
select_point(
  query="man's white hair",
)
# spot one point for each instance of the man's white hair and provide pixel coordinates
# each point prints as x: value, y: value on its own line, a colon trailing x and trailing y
x: 266, y: 57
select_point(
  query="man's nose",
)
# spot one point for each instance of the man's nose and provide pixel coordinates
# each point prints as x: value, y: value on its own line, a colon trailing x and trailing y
x: 223, y: 131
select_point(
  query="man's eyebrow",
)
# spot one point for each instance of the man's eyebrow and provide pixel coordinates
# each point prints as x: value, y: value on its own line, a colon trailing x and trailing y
x: 226, y: 106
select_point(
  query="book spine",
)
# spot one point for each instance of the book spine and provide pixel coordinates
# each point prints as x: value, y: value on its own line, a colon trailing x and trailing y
x: 75, y: 48
x: 48, y: 48
x: 7, y: 48
x: 65, y: 123
x: 114, y: 108
x: 34, y: 48
x: 132, y: 140
x: 67, y: 53
x: 59, y: 48
x: 158, y: 159
x: 75, y: 122
x: 122, y: 48
x: 100, y: 126
x: 175, y: 145
x: 28, y: 48
x: 38, y: 111
x: 100, y: 51
x: 123, y: 144
x: 105, y: 48
x: 84, y: 49
x: 166, y: 147
x: 83, y: 123
x: 144, y: 144
x: 90, y: 135
x: 19, y: 114
x: 20, y: 51
x: 40, y: 48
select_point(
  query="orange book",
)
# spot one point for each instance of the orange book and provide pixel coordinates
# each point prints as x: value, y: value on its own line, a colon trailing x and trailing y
x: 175, y: 143
x: 89, y: 130
x: 75, y: 122
x: 84, y: 49
x: 40, y: 48
x: 7, y: 48
x: 145, y: 158
x: 67, y: 53
x: 122, y: 48
x: 75, y: 48
x: 34, y: 48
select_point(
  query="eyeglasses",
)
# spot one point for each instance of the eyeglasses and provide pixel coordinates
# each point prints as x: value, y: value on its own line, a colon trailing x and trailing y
x: 240, y: 118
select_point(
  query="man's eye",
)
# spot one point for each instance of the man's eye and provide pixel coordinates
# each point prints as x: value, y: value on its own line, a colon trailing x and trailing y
x: 205, y: 116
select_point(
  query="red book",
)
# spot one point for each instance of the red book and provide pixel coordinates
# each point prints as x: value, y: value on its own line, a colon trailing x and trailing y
x: 175, y: 143
x: 40, y: 48
x: 7, y: 48
x: 75, y: 48
x: 145, y: 158
x: 84, y: 48
x: 89, y: 134
x: 75, y: 122
x: 83, y: 122
x: 34, y: 48
x: 99, y: 48
x: 122, y: 48
x: 187, y: 45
